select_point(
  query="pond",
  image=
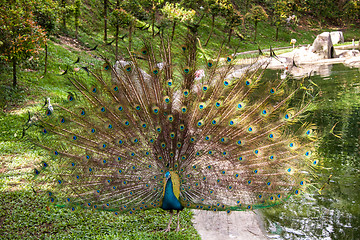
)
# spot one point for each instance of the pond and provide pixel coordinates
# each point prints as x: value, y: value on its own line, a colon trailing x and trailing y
x: 335, y: 213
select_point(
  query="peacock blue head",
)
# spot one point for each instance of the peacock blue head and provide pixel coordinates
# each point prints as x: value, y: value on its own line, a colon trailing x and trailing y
x: 167, y: 175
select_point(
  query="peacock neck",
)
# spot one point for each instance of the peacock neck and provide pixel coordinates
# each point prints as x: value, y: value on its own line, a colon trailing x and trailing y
x: 170, y: 201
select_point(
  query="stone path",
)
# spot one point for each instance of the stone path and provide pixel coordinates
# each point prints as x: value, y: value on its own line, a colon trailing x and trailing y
x: 222, y: 226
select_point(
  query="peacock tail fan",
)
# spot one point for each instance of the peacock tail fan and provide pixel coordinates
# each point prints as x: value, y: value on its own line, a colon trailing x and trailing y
x: 232, y: 139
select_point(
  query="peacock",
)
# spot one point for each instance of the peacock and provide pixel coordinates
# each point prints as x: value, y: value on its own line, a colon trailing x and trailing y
x: 170, y: 127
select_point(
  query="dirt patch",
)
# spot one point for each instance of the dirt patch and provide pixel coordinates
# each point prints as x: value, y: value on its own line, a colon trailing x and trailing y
x: 71, y: 44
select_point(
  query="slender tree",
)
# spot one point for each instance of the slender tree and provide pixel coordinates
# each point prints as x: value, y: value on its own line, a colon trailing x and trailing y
x: 175, y: 13
x: 77, y: 17
x: 281, y: 11
x: 256, y: 14
x: 217, y: 8
x: 120, y: 18
x: 20, y: 36
x: 105, y: 19
x: 46, y: 13
x: 64, y: 13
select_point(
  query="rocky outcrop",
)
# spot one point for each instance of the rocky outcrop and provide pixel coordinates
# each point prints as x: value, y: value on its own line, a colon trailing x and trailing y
x: 349, y: 54
x: 323, y: 46
x: 337, y: 37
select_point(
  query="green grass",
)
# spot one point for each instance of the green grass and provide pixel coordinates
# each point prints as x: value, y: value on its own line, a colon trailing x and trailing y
x: 26, y: 215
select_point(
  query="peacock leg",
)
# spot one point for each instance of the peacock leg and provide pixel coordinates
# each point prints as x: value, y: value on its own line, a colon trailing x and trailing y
x: 178, y: 223
x: 171, y: 216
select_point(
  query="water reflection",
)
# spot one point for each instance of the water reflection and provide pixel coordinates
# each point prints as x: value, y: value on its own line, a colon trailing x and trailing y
x: 335, y: 213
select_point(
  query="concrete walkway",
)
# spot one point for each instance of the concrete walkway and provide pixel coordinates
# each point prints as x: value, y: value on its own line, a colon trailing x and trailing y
x: 222, y: 226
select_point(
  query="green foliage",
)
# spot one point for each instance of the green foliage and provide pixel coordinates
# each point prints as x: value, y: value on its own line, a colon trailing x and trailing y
x: 329, y: 11
x: 135, y: 8
x: 256, y: 14
x: 174, y: 12
x: 119, y: 17
x: 46, y: 14
x: 21, y: 37
x: 77, y: 5
x: 352, y: 11
x: 219, y: 7
x: 282, y: 11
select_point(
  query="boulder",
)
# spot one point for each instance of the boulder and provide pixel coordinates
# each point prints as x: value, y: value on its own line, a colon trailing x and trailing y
x: 306, y: 54
x: 349, y: 54
x: 323, y: 46
x: 337, y: 37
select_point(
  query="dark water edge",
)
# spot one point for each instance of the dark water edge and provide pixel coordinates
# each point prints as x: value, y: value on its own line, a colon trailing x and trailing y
x: 335, y: 213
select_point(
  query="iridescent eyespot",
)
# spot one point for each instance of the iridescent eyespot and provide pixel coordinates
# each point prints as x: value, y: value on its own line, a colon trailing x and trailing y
x: 106, y: 66
x: 166, y: 99
x: 156, y: 110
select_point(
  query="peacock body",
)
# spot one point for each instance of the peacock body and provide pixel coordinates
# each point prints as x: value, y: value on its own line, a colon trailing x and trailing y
x: 174, y: 131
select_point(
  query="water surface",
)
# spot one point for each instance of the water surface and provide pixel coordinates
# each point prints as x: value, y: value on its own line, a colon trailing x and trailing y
x: 335, y: 213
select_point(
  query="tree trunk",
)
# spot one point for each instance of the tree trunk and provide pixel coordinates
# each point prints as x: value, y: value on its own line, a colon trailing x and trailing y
x: 63, y: 5
x: 277, y: 33
x: 255, y: 23
x: 212, y: 29
x: 116, y: 41
x: 130, y: 34
x: 230, y: 34
x: 173, y: 30
x: 153, y: 19
x: 46, y: 57
x: 117, y: 33
x: 14, y: 72
x: 105, y: 20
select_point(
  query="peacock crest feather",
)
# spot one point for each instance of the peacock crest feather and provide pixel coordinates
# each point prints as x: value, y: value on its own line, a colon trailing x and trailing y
x: 227, y: 142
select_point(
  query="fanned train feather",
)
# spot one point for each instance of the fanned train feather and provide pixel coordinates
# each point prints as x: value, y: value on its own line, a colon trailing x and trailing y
x: 227, y: 143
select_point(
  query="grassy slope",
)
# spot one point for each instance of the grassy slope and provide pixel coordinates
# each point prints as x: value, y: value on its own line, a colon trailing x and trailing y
x: 24, y: 213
